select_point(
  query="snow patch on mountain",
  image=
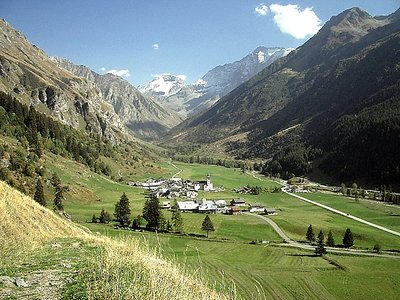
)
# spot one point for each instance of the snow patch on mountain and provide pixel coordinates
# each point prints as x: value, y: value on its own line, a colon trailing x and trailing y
x: 172, y: 90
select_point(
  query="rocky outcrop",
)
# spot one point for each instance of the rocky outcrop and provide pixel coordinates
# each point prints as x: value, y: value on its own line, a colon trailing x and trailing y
x: 142, y: 115
x: 33, y: 78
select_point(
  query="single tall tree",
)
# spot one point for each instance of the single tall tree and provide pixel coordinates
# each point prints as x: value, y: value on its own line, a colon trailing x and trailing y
x: 177, y: 221
x: 122, y: 210
x: 320, y: 249
x: 59, y: 192
x: 152, y: 212
x: 348, y: 239
x: 39, y: 194
x: 330, y: 242
x: 207, y: 225
x: 310, y: 236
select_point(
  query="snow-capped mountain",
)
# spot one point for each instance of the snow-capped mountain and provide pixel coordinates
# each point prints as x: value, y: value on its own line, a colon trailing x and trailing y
x: 188, y: 99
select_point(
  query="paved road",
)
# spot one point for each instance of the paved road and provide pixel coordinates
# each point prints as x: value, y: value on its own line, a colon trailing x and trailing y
x: 296, y: 244
x: 284, y: 189
x: 342, y: 213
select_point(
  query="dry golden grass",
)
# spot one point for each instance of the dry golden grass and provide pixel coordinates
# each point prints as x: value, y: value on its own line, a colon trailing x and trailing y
x: 25, y: 223
x: 119, y: 270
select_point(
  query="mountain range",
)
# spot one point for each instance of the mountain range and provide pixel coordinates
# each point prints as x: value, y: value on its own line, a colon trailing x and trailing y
x: 335, y: 98
x: 189, y: 99
x: 144, y: 117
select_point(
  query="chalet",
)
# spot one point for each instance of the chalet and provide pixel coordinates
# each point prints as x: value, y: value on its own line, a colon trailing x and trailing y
x: 166, y: 205
x: 186, y: 206
x: 238, y: 202
x: 270, y: 211
x: 256, y: 207
x: 191, y: 194
x: 207, y: 206
x: 234, y: 210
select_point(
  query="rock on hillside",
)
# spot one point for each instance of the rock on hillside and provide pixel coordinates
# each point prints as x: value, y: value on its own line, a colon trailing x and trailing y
x: 29, y: 75
x: 143, y: 116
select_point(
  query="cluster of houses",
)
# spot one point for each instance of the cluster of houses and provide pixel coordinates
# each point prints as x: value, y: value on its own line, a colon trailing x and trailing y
x: 178, y: 188
x: 233, y: 207
x: 175, y: 187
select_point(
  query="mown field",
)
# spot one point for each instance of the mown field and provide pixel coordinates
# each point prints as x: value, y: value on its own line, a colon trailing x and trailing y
x: 265, y: 270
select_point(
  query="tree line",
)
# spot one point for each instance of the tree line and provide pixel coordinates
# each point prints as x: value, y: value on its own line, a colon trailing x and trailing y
x: 152, y: 214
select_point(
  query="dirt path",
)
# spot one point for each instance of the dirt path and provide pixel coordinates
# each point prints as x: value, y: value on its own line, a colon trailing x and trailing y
x: 179, y: 170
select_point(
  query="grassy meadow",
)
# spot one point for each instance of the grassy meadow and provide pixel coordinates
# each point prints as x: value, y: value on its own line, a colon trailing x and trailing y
x: 227, y: 260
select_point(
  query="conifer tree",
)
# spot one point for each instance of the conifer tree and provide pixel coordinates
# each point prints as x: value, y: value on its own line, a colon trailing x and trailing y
x: 39, y: 194
x: 152, y: 212
x: 59, y: 192
x: 177, y: 221
x: 94, y: 219
x: 122, y: 210
x: 207, y: 225
x: 320, y: 249
x: 348, y: 239
x: 330, y: 242
x: 310, y: 236
x: 104, y: 217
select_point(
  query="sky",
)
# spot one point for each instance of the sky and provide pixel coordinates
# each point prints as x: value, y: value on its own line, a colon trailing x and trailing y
x: 139, y: 39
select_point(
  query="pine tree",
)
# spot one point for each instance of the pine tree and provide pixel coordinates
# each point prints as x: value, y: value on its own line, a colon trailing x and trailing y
x: 39, y: 194
x: 320, y: 249
x: 348, y: 239
x: 59, y: 192
x: 104, y: 217
x: 94, y: 219
x: 207, y: 225
x: 58, y: 199
x: 177, y: 221
x: 330, y: 242
x: 122, y: 210
x: 152, y: 212
x: 310, y: 236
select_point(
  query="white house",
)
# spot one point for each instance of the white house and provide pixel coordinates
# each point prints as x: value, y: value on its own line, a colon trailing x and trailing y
x: 256, y: 207
x: 187, y: 206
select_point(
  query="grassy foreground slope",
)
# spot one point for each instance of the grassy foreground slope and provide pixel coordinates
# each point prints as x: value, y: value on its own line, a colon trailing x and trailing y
x: 56, y: 259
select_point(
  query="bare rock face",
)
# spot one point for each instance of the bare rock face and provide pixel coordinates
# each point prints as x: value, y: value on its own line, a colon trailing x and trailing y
x: 142, y: 115
x: 33, y: 78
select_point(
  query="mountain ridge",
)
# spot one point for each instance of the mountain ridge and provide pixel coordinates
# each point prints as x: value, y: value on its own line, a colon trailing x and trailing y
x: 191, y: 99
x: 144, y: 117
x: 301, y: 97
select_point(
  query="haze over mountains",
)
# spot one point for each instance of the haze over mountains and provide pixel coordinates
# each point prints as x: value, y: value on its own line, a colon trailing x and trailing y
x: 188, y: 99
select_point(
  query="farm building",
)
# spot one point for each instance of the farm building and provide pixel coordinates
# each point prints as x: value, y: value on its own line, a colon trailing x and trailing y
x: 238, y: 202
x: 256, y: 207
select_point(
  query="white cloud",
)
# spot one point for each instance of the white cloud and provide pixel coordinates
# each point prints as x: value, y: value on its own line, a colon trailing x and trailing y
x: 261, y: 9
x: 122, y: 73
x: 156, y: 46
x: 292, y: 20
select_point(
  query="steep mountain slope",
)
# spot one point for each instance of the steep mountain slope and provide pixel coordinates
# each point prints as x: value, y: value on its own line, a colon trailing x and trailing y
x: 28, y: 74
x: 142, y: 115
x: 190, y: 99
x: 347, y: 68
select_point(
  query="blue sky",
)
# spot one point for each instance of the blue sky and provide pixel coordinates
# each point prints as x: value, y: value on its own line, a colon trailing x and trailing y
x: 141, y: 38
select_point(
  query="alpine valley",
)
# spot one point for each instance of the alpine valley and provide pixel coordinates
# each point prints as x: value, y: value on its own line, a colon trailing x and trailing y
x: 332, y: 103
x: 276, y: 176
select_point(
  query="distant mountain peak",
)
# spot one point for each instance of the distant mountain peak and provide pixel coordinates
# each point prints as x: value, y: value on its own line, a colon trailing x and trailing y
x: 188, y: 99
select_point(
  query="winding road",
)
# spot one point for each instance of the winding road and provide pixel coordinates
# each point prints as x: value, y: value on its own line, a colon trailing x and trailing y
x: 179, y: 170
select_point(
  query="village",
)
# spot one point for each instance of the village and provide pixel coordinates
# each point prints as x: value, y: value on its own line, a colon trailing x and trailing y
x: 176, y: 189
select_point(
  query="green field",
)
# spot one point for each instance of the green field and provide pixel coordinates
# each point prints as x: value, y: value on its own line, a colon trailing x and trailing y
x: 265, y: 270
